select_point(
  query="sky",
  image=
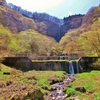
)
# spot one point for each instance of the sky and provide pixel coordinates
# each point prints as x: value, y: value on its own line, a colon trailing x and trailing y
x: 57, y: 8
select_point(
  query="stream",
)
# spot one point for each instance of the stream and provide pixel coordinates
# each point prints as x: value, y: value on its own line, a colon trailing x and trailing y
x: 57, y: 89
x: 56, y: 92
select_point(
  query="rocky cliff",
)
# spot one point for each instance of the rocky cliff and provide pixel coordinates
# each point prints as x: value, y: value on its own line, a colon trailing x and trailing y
x: 37, y: 16
x: 42, y: 22
x: 71, y: 22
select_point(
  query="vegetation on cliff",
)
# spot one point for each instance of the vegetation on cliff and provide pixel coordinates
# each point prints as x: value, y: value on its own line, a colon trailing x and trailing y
x: 84, y: 40
x: 18, y: 34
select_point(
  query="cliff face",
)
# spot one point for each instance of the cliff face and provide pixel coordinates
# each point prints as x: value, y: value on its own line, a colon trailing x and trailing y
x: 71, y: 22
x: 37, y: 16
x: 18, y: 20
x: 46, y: 24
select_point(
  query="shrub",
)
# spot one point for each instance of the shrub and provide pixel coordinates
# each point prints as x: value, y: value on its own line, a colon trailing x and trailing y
x: 71, y: 91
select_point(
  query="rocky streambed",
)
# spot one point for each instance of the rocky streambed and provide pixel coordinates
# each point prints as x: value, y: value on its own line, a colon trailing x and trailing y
x: 56, y: 92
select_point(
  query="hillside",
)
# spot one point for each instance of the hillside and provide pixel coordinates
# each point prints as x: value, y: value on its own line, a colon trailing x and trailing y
x: 14, y: 20
x: 37, y: 33
x: 18, y: 34
x: 84, y: 40
x: 51, y: 25
x: 30, y: 85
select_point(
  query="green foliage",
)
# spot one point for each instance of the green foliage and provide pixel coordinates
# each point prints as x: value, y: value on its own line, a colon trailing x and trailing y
x: 55, y: 49
x: 89, y: 84
x: 87, y: 36
x: 4, y: 69
x: 71, y: 35
x: 28, y: 41
x: 44, y: 83
x: 96, y: 65
x: 90, y: 81
x: 88, y: 43
x: 71, y: 91
x: 60, y: 73
x: 13, y: 45
x: 42, y: 28
x: 35, y: 42
x: 39, y: 99
x: 32, y: 80
x: 36, y: 99
x: 44, y: 78
x: 97, y: 97
x: 4, y: 40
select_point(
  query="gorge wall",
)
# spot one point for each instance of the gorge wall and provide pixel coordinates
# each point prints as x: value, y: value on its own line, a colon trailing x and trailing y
x: 51, y: 25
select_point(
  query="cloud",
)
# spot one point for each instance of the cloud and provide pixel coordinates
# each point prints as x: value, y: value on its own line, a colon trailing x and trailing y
x: 69, y: 13
x: 37, y: 5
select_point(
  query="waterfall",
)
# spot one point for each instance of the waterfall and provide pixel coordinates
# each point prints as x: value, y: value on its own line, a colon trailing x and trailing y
x: 59, y: 32
x: 71, y: 68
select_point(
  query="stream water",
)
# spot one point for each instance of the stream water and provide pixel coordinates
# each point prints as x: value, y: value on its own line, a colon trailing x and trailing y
x: 57, y: 89
x: 71, y: 68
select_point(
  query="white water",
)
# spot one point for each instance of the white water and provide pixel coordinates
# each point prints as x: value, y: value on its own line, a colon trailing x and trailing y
x: 71, y: 68
x: 57, y: 93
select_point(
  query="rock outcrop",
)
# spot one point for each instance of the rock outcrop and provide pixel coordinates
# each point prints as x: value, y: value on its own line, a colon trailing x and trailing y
x: 20, y: 10
x: 91, y: 9
x: 37, y: 16
x: 71, y: 22
x: 46, y: 24
x: 18, y: 19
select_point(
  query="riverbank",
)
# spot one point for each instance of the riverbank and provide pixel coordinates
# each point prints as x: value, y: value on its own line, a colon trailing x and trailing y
x: 48, y: 85
x: 18, y: 85
x: 56, y: 92
x: 85, y: 87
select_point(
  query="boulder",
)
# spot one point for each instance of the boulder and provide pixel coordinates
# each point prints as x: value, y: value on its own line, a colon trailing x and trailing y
x: 80, y: 89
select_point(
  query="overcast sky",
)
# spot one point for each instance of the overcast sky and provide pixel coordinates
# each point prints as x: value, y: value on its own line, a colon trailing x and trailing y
x: 58, y: 8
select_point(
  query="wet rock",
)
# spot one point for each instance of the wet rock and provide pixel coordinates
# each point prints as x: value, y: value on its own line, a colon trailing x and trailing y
x: 53, y: 98
x: 81, y: 89
x: 61, y: 83
x: 57, y: 89
x: 53, y: 88
x: 54, y: 81
x: 65, y: 96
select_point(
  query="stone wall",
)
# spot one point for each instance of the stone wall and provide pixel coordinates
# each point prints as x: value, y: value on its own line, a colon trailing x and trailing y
x: 25, y: 64
x: 20, y: 63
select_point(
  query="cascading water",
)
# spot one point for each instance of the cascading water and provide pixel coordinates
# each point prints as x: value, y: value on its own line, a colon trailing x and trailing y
x: 71, y: 68
x: 59, y: 36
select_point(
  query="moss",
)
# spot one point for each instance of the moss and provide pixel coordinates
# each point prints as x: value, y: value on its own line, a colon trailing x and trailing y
x: 26, y: 81
x: 71, y: 91
x: 90, y: 81
x: 49, y: 61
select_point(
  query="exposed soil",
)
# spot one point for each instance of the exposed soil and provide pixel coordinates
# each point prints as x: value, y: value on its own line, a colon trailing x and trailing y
x: 16, y: 91
x: 18, y: 85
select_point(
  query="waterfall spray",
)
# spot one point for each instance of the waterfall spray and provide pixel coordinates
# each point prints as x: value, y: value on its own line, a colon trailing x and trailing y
x: 71, y: 68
